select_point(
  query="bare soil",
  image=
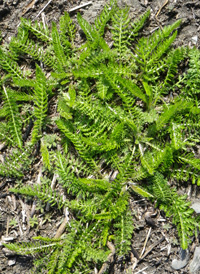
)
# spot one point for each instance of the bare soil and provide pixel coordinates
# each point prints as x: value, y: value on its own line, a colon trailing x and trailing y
x: 155, y: 242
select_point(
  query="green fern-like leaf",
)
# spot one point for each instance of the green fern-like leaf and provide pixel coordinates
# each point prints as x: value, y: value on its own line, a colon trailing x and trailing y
x: 170, y: 112
x: 40, y: 101
x: 43, y: 192
x: 45, y: 155
x: 38, y: 29
x: 124, y: 233
x: 91, y: 34
x: 104, y: 17
x: 8, y: 64
x: 58, y: 49
x: 11, y: 111
x: 175, y: 206
x: 67, y: 33
x: 174, y: 59
x: 137, y: 25
x: 82, y: 149
x: 36, y: 51
x: 149, y: 50
x: 120, y: 30
x: 16, y: 163
x: 191, y: 81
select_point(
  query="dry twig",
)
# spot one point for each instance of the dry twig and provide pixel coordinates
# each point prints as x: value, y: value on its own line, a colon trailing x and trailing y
x: 28, y: 7
x: 145, y: 243
x: 152, y: 247
x: 62, y: 227
x: 165, y: 3
x: 43, y: 9
x: 80, y: 6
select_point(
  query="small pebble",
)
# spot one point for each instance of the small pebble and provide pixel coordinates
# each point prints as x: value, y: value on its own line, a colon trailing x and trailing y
x: 195, y: 263
x: 184, y: 258
x: 196, y: 207
x: 7, y: 239
x: 195, y: 39
x: 11, y: 262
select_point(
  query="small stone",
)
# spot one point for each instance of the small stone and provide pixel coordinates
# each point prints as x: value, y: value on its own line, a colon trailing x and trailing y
x: 184, y: 258
x: 11, y: 262
x: 196, y: 207
x: 7, y: 239
x: 15, y: 2
x: 195, y: 39
x: 195, y: 263
x: 7, y: 252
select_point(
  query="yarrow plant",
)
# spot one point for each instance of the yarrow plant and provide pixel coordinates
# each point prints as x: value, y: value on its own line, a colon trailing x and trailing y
x: 107, y: 120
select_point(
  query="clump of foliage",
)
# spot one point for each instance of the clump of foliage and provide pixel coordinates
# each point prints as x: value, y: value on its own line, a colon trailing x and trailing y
x: 92, y: 111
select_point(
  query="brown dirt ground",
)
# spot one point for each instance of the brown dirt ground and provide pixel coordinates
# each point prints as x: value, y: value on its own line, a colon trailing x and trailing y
x: 162, y: 245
